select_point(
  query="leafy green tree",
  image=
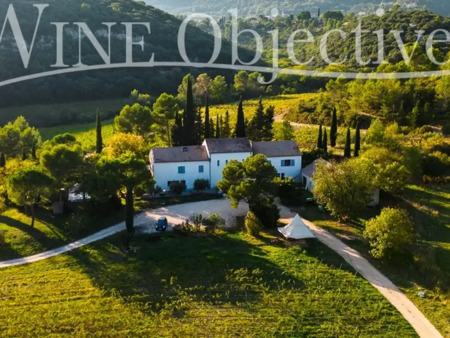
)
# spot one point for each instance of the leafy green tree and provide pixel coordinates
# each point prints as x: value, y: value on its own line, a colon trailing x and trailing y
x: 183, y: 89
x: 218, y: 90
x: 10, y: 140
x: 348, y: 145
x: 99, y: 138
x: 390, y: 233
x: 375, y: 133
x: 320, y: 138
x: 120, y: 144
x: 392, y: 174
x: 63, y: 139
x: 28, y: 187
x: 334, y: 129
x: 253, y: 182
x: 304, y: 15
x: 345, y: 188
x: 63, y: 161
x: 267, y: 132
x: 202, y: 86
x: 135, y: 119
x: 240, y: 123
x: 357, y: 140
x: 256, y: 124
x: 284, y: 131
x: 165, y: 110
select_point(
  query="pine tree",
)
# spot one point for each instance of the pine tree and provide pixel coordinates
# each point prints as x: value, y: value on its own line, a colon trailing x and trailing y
x: 256, y: 125
x: 240, y: 123
x: 333, y: 130
x: 2, y: 160
x: 99, y: 143
x: 226, y: 130
x: 348, y: 145
x: 199, y: 128
x: 319, y: 138
x: 207, y: 123
x: 357, y: 140
x: 325, y: 141
x: 217, y: 127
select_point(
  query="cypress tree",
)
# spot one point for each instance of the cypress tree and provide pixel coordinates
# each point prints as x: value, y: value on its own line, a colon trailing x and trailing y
x: 99, y: 143
x: 333, y: 130
x: 212, y: 127
x: 207, y: 123
x: 348, y: 145
x: 325, y: 141
x: 198, y: 134
x: 226, y: 130
x: 189, y: 128
x: 319, y: 138
x: 2, y: 160
x: 240, y: 123
x: 357, y: 140
x: 217, y: 126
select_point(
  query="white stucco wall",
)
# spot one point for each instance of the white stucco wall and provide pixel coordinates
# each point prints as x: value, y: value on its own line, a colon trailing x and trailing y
x: 165, y: 172
x: 216, y: 170
x: 292, y: 171
x: 309, y: 184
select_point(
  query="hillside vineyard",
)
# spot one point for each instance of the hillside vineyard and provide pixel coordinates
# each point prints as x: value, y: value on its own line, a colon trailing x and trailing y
x: 125, y: 33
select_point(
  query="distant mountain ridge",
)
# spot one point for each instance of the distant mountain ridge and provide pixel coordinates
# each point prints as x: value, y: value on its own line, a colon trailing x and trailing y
x: 249, y: 8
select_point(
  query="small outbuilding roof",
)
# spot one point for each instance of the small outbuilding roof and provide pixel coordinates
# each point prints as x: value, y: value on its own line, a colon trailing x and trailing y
x: 297, y: 229
x: 179, y: 154
x: 228, y: 145
x: 310, y: 170
x: 276, y: 148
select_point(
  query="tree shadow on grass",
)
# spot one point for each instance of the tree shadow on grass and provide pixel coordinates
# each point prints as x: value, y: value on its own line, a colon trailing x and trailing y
x: 213, y: 269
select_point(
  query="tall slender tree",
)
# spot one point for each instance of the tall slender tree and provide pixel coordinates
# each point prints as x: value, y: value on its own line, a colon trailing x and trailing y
x: 357, y: 140
x: 217, y: 126
x: 99, y: 143
x: 212, y: 127
x: 333, y: 130
x: 176, y: 132
x: 320, y: 138
x: 207, y: 124
x: 226, y: 130
x: 348, y: 145
x: 189, y: 117
x: 240, y: 123
x: 325, y: 141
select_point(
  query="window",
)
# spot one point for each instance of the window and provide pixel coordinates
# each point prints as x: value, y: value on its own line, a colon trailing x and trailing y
x: 181, y: 170
x: 287, y: 163
x: 218, y: 163
x: 201, y: 169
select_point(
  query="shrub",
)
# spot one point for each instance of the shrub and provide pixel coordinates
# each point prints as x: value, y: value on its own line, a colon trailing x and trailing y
x: 436, y: 164
x: 266, y: 211
x: 252, y: 224
x: 214, y: 221
x: 177, y: 187
x: 389, y: 233
x: 197, y: 220
x: 446, y: 129
x: 2, y: 238
x: 289, y: 191
x: 201, y: 185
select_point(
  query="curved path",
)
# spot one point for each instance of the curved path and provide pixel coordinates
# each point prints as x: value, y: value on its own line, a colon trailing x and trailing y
x: 178, y: 213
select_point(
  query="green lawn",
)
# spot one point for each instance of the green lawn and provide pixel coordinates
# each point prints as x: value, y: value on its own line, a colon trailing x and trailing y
x: 429, y: 268
x: 85, y: 133
x: 194, y: 285
x: 55, y: 114
x: 49, y: 232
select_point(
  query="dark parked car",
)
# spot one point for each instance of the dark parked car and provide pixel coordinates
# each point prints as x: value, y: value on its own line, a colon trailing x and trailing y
x: 161, y: 224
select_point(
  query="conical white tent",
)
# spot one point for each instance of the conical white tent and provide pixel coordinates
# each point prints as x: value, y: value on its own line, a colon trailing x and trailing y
x: 296, y: 229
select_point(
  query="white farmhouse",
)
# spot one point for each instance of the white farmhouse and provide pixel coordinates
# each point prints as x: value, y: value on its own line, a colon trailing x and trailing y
x: 187, y: 164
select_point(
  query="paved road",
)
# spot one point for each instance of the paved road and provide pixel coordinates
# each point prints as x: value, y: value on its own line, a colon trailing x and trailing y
x: 178, y: 213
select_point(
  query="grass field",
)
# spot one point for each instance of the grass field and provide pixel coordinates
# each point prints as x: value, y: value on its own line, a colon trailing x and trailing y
x: 49, y: 232
x: 55, y: 114
x: 429, y: 269
x: 85, y: 133
x: 283, y: 104
x: 195, y: 285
